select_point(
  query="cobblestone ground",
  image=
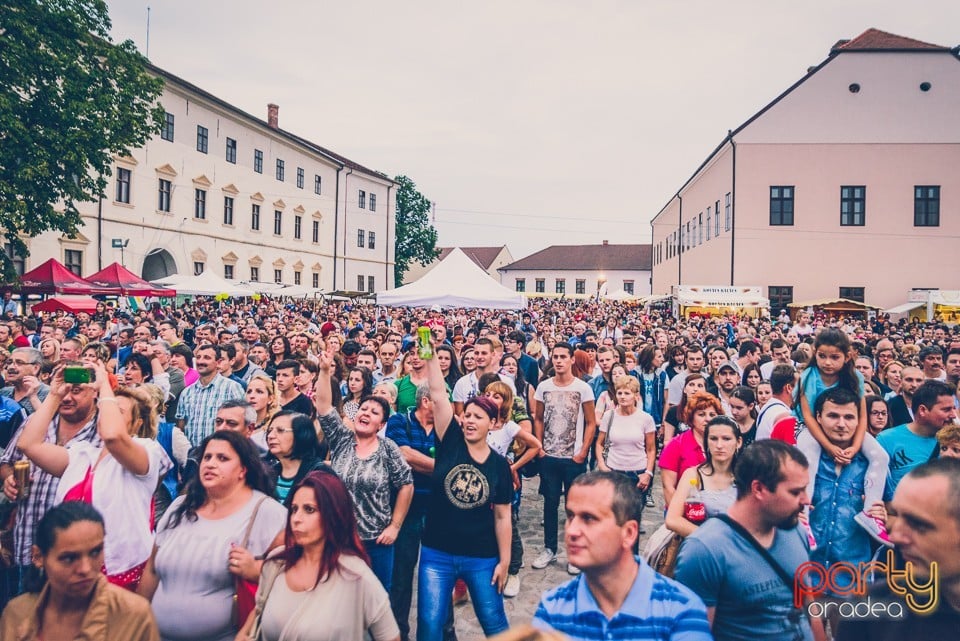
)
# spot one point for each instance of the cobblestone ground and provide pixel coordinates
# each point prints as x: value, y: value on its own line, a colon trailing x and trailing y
x: 533, y: 583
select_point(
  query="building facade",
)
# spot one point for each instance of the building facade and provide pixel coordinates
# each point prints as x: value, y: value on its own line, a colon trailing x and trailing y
x: 219, y: 189
x: 833, y: 190
x: 581, y: 271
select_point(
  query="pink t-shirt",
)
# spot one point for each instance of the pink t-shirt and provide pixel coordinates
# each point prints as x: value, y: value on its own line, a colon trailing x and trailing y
x: 190, y: 377
x: 682, y: 453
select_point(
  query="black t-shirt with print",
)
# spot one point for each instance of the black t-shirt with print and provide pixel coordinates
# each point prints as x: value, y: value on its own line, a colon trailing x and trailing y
x: 463, y: 492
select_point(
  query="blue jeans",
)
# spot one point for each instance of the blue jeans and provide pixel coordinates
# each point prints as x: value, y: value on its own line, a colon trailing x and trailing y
x: 381, y: 562
x: 438, y: 572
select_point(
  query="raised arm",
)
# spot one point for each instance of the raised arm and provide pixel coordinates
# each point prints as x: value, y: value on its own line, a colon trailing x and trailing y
x: 322, y: 396
x: 49, y: 457
x: 113, y: 429
x: 442, y: 409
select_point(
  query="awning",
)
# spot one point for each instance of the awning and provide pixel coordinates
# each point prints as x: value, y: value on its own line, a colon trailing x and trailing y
x: 903, y: 309
x: 71, y: 304
x: 720, y: 296
x: 838, y: 304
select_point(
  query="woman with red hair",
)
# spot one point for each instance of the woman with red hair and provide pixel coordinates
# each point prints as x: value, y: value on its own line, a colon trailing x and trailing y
x: 686, y: 450
x: 320, y: 585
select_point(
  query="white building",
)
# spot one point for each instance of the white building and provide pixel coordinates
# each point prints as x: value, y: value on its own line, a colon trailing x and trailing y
x: 223, y: 190
x: 581, y: 270
x: 489, y: 259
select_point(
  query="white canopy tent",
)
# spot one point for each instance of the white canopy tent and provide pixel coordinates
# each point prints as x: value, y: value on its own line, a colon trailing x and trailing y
x: 620, y: 296
x: 456, y: 282
x: 206, y: 284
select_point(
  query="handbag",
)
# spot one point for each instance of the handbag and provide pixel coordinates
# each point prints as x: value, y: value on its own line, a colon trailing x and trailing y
x: 245, y: 592
x: 606, y: 441
x: 661, y: 551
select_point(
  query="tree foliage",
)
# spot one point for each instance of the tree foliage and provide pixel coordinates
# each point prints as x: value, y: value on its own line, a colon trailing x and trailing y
x: 416, y: 237
x: 70, y: 100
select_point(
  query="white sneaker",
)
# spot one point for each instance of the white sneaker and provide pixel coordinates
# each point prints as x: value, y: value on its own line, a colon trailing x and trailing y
x: 572, y: 569
x: 546, y: 557
x: 512, y: 588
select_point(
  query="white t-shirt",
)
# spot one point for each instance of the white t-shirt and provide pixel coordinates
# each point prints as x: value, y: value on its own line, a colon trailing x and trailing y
x: 500, y: 440
x: 469, y: 386
x: 627, y: 438
x: 767, y: 418
x: 123, y: 498
x: 563, y: 416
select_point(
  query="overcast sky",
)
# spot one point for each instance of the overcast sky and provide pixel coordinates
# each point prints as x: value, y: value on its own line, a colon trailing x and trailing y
x: 528, y: 123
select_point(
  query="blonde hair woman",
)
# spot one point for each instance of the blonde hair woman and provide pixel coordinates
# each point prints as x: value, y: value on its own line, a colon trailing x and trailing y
x: 50, y: 349
x: 262, y: 395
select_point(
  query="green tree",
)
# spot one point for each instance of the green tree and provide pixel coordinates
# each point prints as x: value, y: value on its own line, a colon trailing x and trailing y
x: 70, y: 100
x: 416, y: 237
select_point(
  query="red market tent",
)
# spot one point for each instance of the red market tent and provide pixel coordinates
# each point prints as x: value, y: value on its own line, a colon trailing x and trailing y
x: 123, y: 282
x: 51, y: 277
x: 72, y: 304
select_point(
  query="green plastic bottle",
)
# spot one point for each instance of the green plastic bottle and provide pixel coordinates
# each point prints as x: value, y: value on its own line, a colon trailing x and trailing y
x: 426, y: 349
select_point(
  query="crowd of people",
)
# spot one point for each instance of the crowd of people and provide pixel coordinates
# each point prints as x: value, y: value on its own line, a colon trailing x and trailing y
x: 280, y: 471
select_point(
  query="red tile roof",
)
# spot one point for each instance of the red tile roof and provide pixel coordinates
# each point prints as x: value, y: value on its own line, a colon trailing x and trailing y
x: 587, y: 257
x: 482, y: 256
x: 876, y: 40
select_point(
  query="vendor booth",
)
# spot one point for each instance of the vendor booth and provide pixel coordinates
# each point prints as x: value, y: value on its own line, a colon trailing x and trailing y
x: 834, y: 307
x: 716, y: 300
x: 928, y: 305
x: 69, y: 304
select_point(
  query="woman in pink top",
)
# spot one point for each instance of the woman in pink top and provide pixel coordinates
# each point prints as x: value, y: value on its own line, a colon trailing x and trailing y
x: 686, y: 450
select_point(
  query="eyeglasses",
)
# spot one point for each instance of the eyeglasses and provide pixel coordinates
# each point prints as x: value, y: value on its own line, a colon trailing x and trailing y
x: 278, y: 430
x: 878, y: 412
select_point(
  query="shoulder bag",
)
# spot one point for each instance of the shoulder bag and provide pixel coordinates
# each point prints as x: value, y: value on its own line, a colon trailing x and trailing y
x: 606, y: 441
x: 244, y: 594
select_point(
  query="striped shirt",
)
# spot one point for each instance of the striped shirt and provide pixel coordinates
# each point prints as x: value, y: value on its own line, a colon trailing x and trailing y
x: 43, y: 488
x: 198, y: 406
x: 656, y: 608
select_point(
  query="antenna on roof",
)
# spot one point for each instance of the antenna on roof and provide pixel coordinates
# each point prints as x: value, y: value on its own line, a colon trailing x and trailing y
x: 148, y: 32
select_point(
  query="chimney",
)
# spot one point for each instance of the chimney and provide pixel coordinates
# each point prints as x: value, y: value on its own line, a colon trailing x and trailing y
x: 273, y: 116
x: 606, y: 242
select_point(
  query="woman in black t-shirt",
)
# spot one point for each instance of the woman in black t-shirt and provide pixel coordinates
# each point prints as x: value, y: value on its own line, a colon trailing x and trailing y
x: 468, y: 528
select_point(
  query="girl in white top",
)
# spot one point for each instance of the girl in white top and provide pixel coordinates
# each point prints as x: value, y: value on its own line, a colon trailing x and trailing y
x: 118, y: 479
x: 501, y: 436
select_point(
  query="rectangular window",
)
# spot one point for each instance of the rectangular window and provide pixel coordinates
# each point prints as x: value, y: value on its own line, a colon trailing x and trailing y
x: 258, y: 161
x: 296, y: 278
x: 370, y: 283
x: 362, y: 199
x: 19, y: 264
x: 203, y: 138
x: 700, y: 234
x: 316, y: 280
x: 853, y: 293
x: 540, y: 285
x: 277, y: 222
x: 200, y: 204
x: 781, y: 296
x: 73, y: 260
x: 316, y: 231
x: 781, y: 205
x: 167, y: 132
x: 727, y: 212
x: 299, y: 177
x: 227, y: 210
x: 716, y: 220
x: 561, y: 286
x: 231, y: 151
x: 581, y: 286
x: 123, y: 185
x: 360, y: 283
x: 361, y: 238
x: 926, y: 206
x: 709, y: 225
x: 255, y: 274
x: 371, y: 240
x: 163, y: 195
x: 280, y: 170
x: 373, y: 202
x: 628, y: 287
x: 198, y: 268
x: 278, y: 276
x: 297, y: 224
x: 255, y: 218
x: 316, y: 184
x: 853, y: 206
x: 520, y: 284
x: 228, y: 272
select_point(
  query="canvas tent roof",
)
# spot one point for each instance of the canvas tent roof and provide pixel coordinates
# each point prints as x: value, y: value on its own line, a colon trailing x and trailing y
x: 51, y: 277
x: 206, y: 284
x: 71, y: 304
x: 125, y: 283
x: 455, y: 282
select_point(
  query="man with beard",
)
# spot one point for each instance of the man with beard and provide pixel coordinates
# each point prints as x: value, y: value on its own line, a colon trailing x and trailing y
x: 749, y: 593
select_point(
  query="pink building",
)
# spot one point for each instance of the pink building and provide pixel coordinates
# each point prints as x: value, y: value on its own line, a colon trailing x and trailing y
x: 843, y: 186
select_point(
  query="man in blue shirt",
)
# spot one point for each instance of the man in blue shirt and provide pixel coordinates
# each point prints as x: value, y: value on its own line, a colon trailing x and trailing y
x: 914, y: 443
x: 617, y: 596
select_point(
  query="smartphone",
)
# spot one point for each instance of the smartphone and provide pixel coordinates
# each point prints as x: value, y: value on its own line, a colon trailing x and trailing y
x: 76, y: 375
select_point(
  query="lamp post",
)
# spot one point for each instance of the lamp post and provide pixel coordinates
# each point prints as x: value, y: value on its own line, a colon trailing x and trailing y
x: 121, y: 244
